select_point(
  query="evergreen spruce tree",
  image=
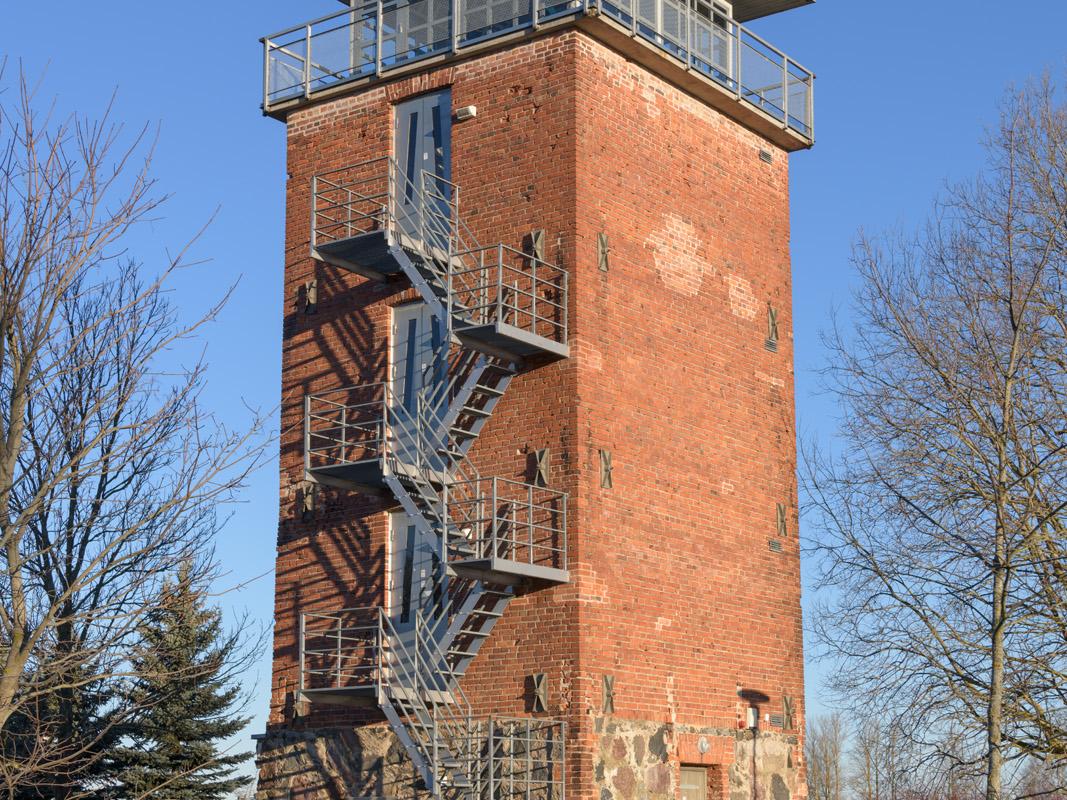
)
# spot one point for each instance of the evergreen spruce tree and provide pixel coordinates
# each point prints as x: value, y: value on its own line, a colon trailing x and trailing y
x: 185, y: 684
x: 85, y: 720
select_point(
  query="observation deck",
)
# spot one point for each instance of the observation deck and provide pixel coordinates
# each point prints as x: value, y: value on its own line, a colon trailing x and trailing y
x: 692, y: 43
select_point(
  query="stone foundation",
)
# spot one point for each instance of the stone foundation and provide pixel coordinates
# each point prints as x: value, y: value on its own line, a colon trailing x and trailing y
x: 336, y: 764
x: 640, y: 761
x: 635, y: 760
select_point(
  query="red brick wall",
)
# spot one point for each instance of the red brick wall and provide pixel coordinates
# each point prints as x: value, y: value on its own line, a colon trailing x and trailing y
x: 674, y: 589
x: 680, y: 595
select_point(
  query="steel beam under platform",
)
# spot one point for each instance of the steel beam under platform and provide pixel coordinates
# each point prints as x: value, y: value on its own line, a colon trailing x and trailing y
x: 369, y: 254
x: 502, y: 339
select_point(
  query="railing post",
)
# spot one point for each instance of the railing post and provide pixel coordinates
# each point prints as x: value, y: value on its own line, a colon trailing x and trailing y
x: 453, y: 233
x: 529, y: 761
x: 390, y: 191
x: 378, y: 41
x: 433, y: 710
x: 457, y: 15
x: 484, y: 309
x: 737, y: 58
x: 811, y: 105
x: 348, y: 209
x: 418, y: 430
x: 492, y: 759
x: 453, y: 248
x: 415, y: 668
x: 378, y: 653
x: 565, y: 302
x: 314, y: 210
x: 533, y: 295
x: 529, y: 519
x: 689, y: 35
x: 563, y: 761
x: 344, y: 433
x: 563, y: 554
x: 307, y: 61
x: 500, y: 282
x: 384, y: 431
x: 338, y: 651
x: 303, y: 633
x: 493, y: 524
x: 307, y: 432
x: 785, y: 92
x: 266, y: 74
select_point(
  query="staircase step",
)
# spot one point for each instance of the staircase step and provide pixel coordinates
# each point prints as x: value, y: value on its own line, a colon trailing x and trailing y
x: 461, y: 781
x: 455, y: 431
x: 451, y: 763
x: 475, y: 412
x: 472, y: 632
x: 489, y: 390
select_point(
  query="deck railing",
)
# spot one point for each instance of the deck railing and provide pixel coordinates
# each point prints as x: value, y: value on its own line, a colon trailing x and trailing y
x: 340, y: 650
x: 510, y: 520
x: 378, y: 36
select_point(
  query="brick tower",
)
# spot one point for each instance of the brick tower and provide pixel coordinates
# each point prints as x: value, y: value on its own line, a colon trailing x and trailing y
x: 538, y: 502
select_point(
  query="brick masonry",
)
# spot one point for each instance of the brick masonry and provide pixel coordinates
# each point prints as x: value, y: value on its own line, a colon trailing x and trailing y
x: 675, y: 590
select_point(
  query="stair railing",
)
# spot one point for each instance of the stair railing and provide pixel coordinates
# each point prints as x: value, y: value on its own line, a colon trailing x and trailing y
x: 429, y: 472
x: 411, y: 680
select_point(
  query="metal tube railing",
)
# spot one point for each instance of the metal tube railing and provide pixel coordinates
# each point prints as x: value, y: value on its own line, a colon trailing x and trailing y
x: 511, y: 520
x: 304, y: 59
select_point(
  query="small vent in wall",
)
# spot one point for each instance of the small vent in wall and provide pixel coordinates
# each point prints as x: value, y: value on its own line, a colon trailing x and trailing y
x: 778, y: 720
x: 766, y: 156
x: 775, y: 545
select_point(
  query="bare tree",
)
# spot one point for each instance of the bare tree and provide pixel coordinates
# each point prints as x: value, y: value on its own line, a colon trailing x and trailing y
x: 1041, y: 781
x: 824, y: 750
x: 940, y: 518
x: 111, y: 473
x: 884, y: 765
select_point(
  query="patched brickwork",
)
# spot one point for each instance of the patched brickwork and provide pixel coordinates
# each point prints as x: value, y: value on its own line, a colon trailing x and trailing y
x: 674, y: 590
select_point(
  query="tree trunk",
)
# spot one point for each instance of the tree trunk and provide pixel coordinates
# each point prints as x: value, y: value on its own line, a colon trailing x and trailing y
x: 994, y: 732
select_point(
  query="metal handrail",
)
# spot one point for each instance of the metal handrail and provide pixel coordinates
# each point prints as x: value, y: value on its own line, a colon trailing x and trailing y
x: 343, y: 644
x: 482, y: 284
x: 418, y: 682
x: 507, y: 519
x: 532, y: 295
x: 348, y: 44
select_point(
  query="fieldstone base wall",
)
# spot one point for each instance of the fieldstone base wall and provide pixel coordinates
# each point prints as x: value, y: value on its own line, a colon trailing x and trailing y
x: 640, y: 760
x: 775, y: 769
x: 336, y: 764
x: 635, y: 760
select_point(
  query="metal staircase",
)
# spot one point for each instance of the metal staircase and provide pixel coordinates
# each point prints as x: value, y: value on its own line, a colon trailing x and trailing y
x: 499, y: 306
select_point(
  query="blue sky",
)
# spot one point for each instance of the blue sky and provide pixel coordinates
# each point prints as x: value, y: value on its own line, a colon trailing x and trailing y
x: 902, y: 99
